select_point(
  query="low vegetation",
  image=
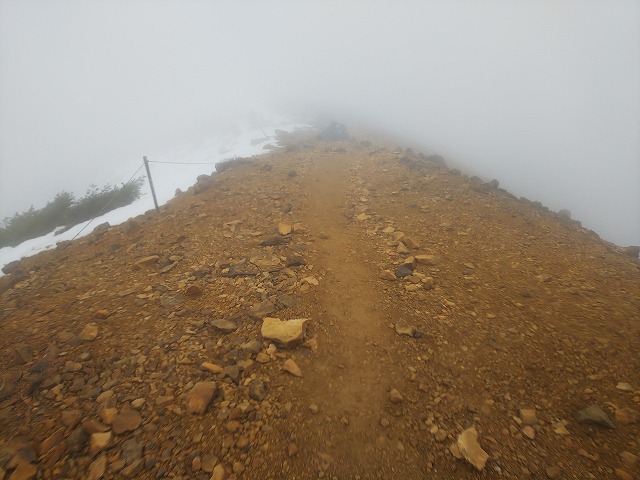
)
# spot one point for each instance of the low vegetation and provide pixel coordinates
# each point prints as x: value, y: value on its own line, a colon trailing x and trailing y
x: 65, y: 210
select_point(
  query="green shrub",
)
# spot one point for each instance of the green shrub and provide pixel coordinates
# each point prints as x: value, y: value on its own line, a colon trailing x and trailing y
x: 64, y: 210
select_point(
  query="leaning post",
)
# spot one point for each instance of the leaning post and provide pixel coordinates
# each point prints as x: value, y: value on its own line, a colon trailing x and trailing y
x: 153, y: 191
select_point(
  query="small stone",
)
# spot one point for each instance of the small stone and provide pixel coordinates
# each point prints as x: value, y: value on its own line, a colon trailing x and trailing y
x: 257, y: 391
x: 51, y: 441
x: 313, y: 408
x: 126, y: 421
x: 193, y: 290
x: 77, y: 440
x: 430, y: 260
x: 262, y: 309
x: 24, y: 471
x: 625, y: 387
x: 211, y: 367
x: 595, y: 415
x: 24, y: 353
x: 89, y: 332
x: 97, y: 468
x: 553, y: 471
x: 138, y: 403
x: 395, y: 396
x: 199, y: 397
x: 72, y: 367
x: 102, y: 314
x: 623, y: 474
x: 627, y: 416
x: 263, y: 358
x: 108, y: 414
x: 285, y: 332
x: 629, y: 459
x: 225, y: 326
x: 471, y: 450
x: 528, y: 416
x: 291, y: 367
x: 71, y: 418
x: 284, y: 229
x: 208, y: 462
x: 132, y: 470
x: 219, y: 473
x: 402, y: 271
x: 146, y: 261
x: 403, y: 328
x: 292, y: 449
x: 384, y: 422
x: 387, y: 275
x: 529, y: 432
x: 99, y: 442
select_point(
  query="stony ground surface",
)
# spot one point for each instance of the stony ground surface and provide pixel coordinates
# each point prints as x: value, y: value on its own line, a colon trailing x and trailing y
x: 452, y: 331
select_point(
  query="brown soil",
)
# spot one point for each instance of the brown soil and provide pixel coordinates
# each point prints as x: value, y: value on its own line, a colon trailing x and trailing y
x: 527, y: 311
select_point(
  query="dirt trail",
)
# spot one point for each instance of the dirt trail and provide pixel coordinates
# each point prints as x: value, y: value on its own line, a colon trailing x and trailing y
x: 350, y: 381
x: 137, y: 352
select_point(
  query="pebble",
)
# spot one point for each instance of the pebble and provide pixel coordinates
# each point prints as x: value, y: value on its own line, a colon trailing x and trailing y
x: 199, y: 397
x: 627, y: 416
x: 126, y: 421
x: 98, y: 442
x: 291, y: 367
x: 97, y: 468
x: 553, y: 471
x: 528, y: 416
x: 395, y: 396
x: 257, y: 391
x: 625, y: 387
x: 89, y: 333
x: 314, y: 408
x: 225, y: 326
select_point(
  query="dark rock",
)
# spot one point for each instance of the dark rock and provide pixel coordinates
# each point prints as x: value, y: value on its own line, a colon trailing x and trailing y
x: 632, y: 251
x: 131, y: 450
x: 594, y: 415
x: 402, y: 271
x: 261, y: 310
x: 77, y: 440
x: 257, y: 390
x: 101, y: 229
x: 274, y: 241
x: 334, y: 132
x: 234, y: 372
x: 11, y: 267
x: 24, y: 353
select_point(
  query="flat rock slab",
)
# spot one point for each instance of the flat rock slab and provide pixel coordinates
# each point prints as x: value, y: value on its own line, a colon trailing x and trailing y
x: 225, y: 326
x: 471, y: 449
x: 126, y: 421
x: 285, y: 332
x: 199, y: 397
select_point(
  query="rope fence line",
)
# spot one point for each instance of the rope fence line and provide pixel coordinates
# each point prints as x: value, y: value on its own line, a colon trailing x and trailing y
x: 108, y: 203
x: 184, y: 163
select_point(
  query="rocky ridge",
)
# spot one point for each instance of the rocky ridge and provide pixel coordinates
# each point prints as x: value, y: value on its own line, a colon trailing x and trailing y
x: 329, y: 310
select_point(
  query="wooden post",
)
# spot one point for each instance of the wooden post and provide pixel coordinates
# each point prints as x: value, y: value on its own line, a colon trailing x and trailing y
x: 153, y: 192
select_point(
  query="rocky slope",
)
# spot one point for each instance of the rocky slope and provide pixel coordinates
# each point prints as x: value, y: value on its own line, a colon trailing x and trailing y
x: 431, y: 326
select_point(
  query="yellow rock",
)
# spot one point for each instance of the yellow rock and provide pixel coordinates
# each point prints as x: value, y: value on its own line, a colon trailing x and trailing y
x: 284, y: 229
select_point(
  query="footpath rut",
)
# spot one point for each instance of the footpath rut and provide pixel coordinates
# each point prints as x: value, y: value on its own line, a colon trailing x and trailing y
x: 349, y: 380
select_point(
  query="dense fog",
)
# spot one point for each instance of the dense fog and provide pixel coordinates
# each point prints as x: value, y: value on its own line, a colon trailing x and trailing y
x: 542, y: 95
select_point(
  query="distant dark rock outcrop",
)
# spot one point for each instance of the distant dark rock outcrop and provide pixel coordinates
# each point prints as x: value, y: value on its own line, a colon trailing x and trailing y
x: 334, y: 132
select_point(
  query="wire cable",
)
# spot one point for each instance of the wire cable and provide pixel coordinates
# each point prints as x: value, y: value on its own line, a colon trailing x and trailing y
x: 184, y: 163
x: 108, y: 203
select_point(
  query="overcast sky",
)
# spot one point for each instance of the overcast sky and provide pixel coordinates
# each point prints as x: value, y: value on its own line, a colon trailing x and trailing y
x: 542, y: 95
